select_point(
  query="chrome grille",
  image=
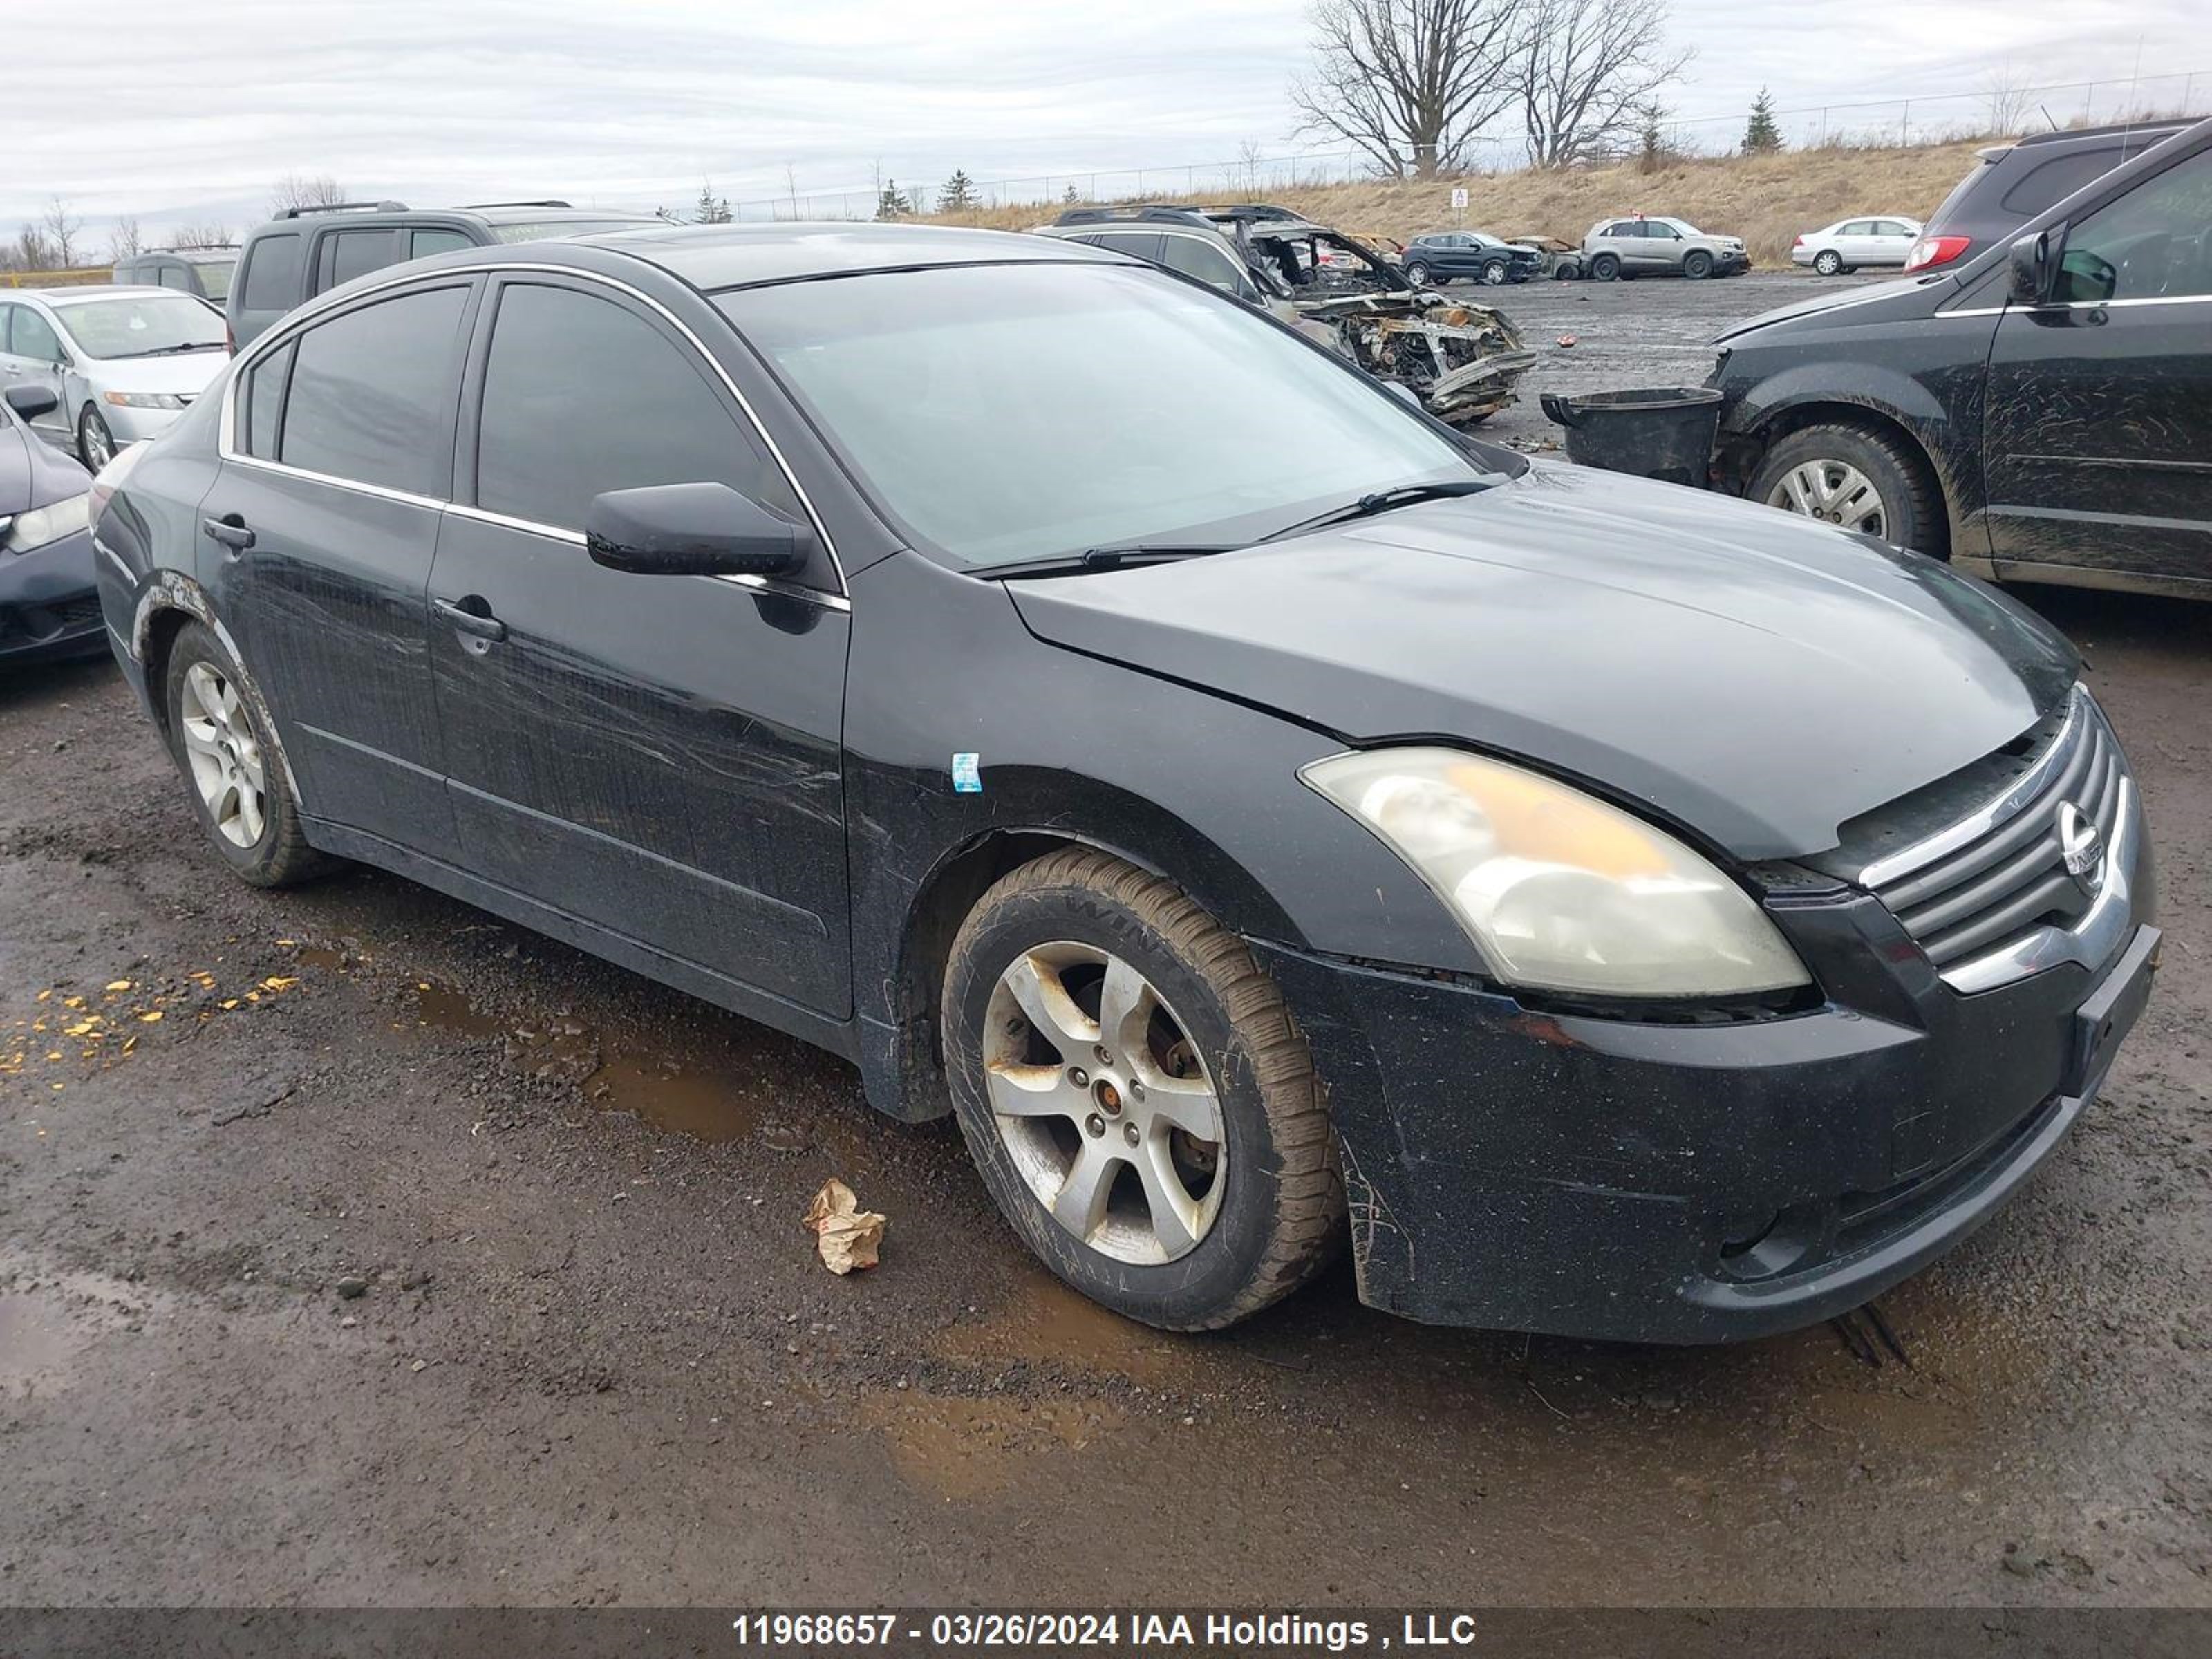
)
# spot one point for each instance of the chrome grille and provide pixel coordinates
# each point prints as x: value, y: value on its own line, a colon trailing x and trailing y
x: 1991, y: 897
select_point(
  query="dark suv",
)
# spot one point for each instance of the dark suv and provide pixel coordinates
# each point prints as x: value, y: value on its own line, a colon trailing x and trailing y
x: 2039, y: 413
x: 305, y: 250
x: 1447, y: 255
x: 2009, y: 184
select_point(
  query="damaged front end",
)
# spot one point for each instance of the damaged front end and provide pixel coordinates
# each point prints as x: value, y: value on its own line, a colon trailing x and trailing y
x: 1461, y: 360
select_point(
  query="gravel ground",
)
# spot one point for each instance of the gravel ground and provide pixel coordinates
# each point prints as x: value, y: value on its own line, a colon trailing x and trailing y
x: 409, y: 1258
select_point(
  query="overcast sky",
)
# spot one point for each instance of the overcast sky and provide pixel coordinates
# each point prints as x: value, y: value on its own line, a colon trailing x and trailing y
x: 190, y: 110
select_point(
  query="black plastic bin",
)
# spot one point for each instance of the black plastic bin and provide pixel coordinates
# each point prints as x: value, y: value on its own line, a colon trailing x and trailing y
x: 1658, y: 432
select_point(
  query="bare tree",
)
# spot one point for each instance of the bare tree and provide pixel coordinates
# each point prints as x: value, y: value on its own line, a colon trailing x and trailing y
x: 123, y: 241
x: 299, y: 190
x: 209, y: 234
x: 1410, y: 83
x: 1588, y: 67
x: 31, y: 251
x: 2007, y: 98
x: 60, y: 227
x: 1248, y: 157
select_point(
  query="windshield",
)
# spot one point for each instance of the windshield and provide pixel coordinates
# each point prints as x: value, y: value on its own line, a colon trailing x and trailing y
x: 214, y: 274
x: 1020, y: 412
x: 538, y: 230
x: 146, y: 326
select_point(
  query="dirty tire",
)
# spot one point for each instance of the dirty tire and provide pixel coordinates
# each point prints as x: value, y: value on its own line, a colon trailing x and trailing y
x: 1697, y: 265
x: 1418, y: 274
x: 1606, y: 267
x: 281, y: 855
x: 1565, y: 273
x: 1912, y: 505
x: 1827, y: 261
x: 1281, y: 1214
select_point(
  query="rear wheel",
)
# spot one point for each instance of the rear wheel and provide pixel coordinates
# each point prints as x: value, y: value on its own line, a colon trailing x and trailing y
x: 1133, y: 1089
x: 219, y: 736
x: 1827, y: 261
x: 1418, y: 274
x: 1856, y: 477
x: 1606, y: 267
x: 1697, y: 263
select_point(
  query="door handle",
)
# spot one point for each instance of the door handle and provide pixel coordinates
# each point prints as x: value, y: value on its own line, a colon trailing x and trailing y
x: 231, y: 532
x: 476, y: 624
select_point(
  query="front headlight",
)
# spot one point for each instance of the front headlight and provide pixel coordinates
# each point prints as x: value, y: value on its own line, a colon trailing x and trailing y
x: 1558, y: 889
x: 144, y: 399
x: 47, y: 523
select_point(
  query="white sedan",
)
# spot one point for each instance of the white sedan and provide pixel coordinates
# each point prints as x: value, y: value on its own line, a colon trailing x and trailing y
x: 1851, y: 243
x: 122, y: 363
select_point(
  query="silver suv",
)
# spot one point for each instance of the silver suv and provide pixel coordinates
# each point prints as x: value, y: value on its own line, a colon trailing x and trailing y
x: 1639, y: 246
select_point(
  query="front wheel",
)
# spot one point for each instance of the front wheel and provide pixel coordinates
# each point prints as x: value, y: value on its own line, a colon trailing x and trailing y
x: 1606, y: 267
x: 1493, y: 273
x: 1418, y: 274
x: 1857, y: 479
x: 95, y: 443
x: 219, y: 735
x: 1697, y: 265
x: 1133, y: 1089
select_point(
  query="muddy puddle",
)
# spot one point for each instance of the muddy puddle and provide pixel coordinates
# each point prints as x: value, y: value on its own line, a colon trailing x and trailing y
x: 1042, y: 1321
x: 961, y: 1449
x: 46, y: 1319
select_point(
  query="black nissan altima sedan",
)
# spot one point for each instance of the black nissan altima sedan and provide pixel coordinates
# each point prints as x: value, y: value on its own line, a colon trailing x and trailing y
x: 1265, y: 817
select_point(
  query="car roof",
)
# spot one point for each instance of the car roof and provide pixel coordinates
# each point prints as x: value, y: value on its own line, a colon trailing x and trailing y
x: 2118, y: 128
x: 712, y: 257
x: 95, y: 293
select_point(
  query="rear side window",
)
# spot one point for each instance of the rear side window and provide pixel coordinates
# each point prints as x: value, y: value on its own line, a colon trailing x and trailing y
x: 347, y: 254
x: 173, y: 277
x: 272, y: 273
x: 1137, y: 243
x: 263, y: 389
x: 370, y: 392
x: 1193, y: 258
x: 581, y: 395
x: 422, y: 244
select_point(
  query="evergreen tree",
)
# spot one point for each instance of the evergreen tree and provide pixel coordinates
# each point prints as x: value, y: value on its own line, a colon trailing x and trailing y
x: 713, y: 209
x: 958, y: 193
x: 1760, y: 135
x: 891, y: 202
x: 1070, y: 197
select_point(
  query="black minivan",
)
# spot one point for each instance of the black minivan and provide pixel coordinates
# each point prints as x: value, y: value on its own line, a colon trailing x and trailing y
x: 2041, y: 413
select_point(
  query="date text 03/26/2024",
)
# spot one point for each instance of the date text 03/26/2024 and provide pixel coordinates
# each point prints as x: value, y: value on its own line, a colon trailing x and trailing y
x: 1244, y: 1632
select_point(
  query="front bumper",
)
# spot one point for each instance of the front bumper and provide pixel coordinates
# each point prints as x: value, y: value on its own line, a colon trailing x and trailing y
x: 1686, y: 1183
x: 49, y: 607
x: 136, y: 425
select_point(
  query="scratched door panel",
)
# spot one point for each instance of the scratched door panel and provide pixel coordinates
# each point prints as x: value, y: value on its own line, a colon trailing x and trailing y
x: 657, y: 754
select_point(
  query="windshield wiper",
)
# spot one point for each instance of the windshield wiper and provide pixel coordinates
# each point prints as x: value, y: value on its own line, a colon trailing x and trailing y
x: 172, y: 350
x: 1382, y: 500
x: 1108, y: 558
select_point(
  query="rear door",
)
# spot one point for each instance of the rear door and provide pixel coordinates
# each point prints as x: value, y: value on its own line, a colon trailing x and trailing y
x: 342, y: 254
x: 2099, y: 430
x: 657, y: 756
x: 317, y: 537
x: 1892, y: 241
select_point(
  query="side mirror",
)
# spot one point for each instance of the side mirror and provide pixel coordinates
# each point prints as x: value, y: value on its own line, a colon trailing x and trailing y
x: 690, y: 530
x: 32, y: 401
x: 2035, y: 265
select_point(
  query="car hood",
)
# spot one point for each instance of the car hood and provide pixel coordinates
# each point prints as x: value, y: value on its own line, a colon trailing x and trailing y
x: 185, y: 374
x: 1755, y: 676
x: 1881, y: 298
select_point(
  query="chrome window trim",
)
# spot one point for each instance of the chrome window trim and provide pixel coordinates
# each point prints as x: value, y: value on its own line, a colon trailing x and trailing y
x: 1988, y: 816
x: 2084, y: 305
x: 227, y: 424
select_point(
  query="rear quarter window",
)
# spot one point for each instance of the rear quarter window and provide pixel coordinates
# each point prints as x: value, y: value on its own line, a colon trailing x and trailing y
x: 272, y: 273
x: 2050, y: 183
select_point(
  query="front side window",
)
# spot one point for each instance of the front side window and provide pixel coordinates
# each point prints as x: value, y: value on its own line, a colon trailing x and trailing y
x: 33, y: 337
x: 371, y: 390
x: 273, y: 272
x: 1007, y: 412
x: 2155, y: 242
x: 582, y: 395
x: 148, y: 326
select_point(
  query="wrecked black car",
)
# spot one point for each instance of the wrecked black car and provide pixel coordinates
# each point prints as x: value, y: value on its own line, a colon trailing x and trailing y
x: 1268, y: 821
x: 1460, y: 359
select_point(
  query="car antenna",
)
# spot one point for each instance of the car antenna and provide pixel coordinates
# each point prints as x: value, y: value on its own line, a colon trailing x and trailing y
x: 2045, y: 108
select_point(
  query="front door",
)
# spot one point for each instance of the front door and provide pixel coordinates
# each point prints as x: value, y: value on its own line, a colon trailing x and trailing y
x: 2098, y: 431
x: 658, y: 756
x: 31, y: 353
x: 317, y: 537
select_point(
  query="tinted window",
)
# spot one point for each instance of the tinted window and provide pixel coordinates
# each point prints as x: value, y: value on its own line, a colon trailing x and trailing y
x: 370, y: 392
x: 272, y: 273
x: 2060, y: 177
x: 1137, y: 243
x: 1203, y: 260
x: 422, y: 244
x: 581, y: 395
x: 350, y: 253
x: 33, y: 337
x: 263, y: 391
x: 1625, y: 227
x: 2155, y: 242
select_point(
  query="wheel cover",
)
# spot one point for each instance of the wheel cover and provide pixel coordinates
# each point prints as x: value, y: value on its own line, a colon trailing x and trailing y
x: 1827, y: 265
x: 1104, y: 1104
x: 1835, y: 491
x: 1493, y: 274
x: 99, y: 445
x: 225, y: 759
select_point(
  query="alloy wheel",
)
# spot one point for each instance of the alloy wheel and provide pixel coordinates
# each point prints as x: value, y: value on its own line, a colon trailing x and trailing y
x: 1493, y: 275
x: 1103, y: 1104
x: 1834, y: 491
x: 1418, y: 274
x: 224, y: 755
x: 95, y: 439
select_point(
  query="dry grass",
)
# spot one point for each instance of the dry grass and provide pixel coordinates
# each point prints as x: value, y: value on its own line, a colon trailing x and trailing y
x: 1764, y: 199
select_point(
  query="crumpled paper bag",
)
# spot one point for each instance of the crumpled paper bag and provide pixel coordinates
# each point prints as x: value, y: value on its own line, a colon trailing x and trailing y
x: 846, y: 1236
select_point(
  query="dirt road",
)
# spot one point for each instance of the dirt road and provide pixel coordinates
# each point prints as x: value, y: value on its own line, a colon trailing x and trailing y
x: 409, y: 1258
